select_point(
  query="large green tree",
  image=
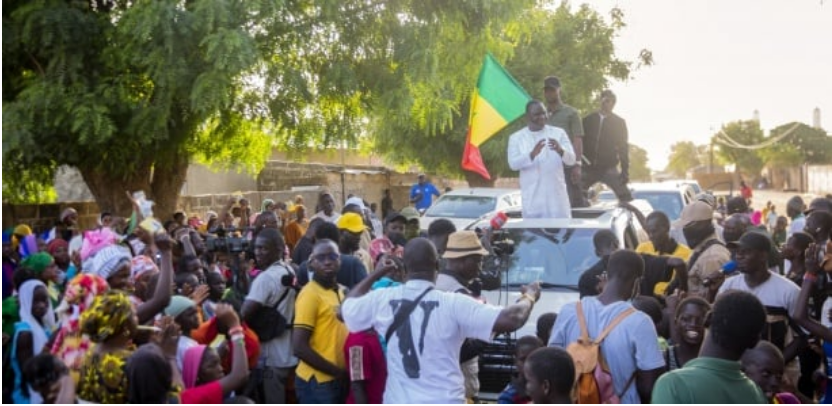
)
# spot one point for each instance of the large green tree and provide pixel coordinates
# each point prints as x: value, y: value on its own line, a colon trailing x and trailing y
x: 684, y: 155
x: 802, y: 144
x: 732, y: 146
x: 132, y: 92
x: 575, y: 43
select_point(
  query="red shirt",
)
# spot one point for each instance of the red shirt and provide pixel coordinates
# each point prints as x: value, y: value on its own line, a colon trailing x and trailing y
x: 366, y: 362
x: 210, y: 393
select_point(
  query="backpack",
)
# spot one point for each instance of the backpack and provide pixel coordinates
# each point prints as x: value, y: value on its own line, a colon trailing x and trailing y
x: 593, y: 381
x: 268, y: 323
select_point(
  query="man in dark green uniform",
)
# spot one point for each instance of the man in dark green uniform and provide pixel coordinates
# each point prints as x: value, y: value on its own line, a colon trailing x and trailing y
x: 566, y: 117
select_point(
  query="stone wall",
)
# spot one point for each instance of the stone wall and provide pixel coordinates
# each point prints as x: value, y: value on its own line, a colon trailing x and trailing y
x: 42, y: 217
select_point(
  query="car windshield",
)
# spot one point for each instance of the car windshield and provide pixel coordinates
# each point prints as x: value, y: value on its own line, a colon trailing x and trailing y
x: 550, y: 255
x: 460, y: 206
x: 670, y: 203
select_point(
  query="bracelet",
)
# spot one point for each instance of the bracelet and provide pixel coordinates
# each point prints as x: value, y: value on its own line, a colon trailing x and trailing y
x: 237, y: 338
x: 526, y: 296
x: 235, y: 330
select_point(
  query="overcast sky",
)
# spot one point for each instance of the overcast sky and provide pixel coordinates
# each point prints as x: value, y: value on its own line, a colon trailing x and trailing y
x: 717, y: 61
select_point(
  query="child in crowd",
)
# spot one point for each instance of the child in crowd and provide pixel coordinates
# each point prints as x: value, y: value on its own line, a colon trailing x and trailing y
x: 550, y: 375
x: 515, y: 392
x: 367, y: 367
x: 544, y: 326
x: 764, y: 364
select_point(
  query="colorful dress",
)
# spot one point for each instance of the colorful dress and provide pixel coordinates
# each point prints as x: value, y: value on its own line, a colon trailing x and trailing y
x: 102, y: 377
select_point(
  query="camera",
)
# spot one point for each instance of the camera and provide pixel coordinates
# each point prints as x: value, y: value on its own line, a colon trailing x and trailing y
x: 222, y: 242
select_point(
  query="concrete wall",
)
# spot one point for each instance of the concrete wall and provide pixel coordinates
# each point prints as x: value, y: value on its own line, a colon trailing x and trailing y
x: 819, y: 179
x: 203, y: 180
x: 42, y: 217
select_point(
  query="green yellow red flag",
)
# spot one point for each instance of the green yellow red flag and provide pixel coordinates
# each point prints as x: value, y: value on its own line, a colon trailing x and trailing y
x: 497, y: 101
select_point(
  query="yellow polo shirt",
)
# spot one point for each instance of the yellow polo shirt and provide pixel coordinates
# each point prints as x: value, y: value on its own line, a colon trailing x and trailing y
x: 316, y: 310
x: 682, y: 251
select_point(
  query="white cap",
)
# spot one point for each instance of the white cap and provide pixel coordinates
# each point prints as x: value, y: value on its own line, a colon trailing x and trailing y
x: 355, y: 200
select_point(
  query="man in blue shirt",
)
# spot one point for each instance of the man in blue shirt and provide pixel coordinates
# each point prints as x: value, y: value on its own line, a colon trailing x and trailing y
x: 421, y: 194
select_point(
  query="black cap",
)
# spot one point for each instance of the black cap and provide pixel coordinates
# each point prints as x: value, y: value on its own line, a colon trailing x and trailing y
x: 551, y: 82
x: 819, y: 203
x: 754, y: 240
x: 736, y: 204
x: 395, y: 216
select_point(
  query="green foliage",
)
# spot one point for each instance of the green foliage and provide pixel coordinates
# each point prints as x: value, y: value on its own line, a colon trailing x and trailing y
x: 532, y: 43
x: 748, y: 133
x: 804, y: 144
x: 28, y: 185
x: 684, y: 155
x: 639, y: 171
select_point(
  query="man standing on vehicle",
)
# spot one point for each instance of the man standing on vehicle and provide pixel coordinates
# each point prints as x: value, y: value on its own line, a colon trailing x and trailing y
x: 540, y: 152
x: 421, y: 194
x: 605, y: 146
x: 567, y: 118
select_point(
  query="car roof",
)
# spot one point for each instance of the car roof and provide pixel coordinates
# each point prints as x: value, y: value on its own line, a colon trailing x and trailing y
x: 481, y: 191
x: 600, y: 215
x: 658, y: 187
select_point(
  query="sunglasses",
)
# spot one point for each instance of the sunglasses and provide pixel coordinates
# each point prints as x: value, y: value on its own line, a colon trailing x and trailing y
x: 324, y: 257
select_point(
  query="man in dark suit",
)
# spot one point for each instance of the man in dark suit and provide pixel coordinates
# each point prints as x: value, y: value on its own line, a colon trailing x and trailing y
x: 605, y: 146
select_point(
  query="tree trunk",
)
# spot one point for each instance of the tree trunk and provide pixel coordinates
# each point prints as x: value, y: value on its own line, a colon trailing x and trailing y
x: 475, y: 180
x: 163, y: 189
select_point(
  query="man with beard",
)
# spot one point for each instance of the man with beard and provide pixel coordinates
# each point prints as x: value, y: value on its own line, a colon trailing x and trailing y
x: 709, y: 254
x: 272, y: 289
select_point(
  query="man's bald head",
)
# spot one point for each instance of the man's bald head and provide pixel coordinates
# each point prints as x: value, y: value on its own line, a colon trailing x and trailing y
x: 420, y: 257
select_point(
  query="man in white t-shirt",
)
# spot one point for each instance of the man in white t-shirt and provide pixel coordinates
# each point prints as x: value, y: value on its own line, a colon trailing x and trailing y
x: 423, y: 350
x: 270, y: 287
x: 777, y: 293
x: 631, y: 349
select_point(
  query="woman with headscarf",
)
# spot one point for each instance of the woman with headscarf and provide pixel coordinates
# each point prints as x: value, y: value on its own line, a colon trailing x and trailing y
x: 112, y: 264
x: 109, y: 323
x: 141, y: 271
x: 296, y: 228
x: 59, y: 250
x: 42, y: 266
x: 37, y: 323
x: 28, y: 246
x: 202, y: 373
x: 70, y: 345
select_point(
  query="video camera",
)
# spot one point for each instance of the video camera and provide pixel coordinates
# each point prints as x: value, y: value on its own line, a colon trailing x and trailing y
x: 221, y: 241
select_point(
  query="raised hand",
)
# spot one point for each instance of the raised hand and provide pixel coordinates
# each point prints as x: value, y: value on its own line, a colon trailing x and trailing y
x: 537, y: 149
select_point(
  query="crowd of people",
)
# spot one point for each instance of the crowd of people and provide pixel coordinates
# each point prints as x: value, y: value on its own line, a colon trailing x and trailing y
x: 343, y: 307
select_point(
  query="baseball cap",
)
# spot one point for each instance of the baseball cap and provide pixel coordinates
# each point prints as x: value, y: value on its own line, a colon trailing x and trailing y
x: 394, y: 216
x: 355, y: 201
x: 410, y: 213
x: 351, y: 222
x: 696, y: 211
x: 462, y: 244
x: 818, y: 203
x: 551, y: 82
x: 753, y: 240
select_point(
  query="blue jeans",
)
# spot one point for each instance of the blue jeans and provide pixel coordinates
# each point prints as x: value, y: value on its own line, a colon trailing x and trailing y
x: 312, y: 392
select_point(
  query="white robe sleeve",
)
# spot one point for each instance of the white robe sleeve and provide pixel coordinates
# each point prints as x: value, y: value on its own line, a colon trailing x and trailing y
x: 517, y: 158
x: 568, y: 156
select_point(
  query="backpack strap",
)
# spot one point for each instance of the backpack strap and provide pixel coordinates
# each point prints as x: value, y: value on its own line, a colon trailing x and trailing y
x: 579, y: 310
x: 613, y: 324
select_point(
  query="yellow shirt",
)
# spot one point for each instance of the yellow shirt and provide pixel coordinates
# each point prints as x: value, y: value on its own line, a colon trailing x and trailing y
x: 682, y: 251
x: 316, y: 310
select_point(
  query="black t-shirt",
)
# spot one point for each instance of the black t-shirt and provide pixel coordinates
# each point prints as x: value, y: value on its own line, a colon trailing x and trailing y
x: 303, y: 249
x: 655, y: 271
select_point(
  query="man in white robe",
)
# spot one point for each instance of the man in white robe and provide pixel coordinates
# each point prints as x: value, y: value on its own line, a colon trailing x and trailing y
x: 539, y: 152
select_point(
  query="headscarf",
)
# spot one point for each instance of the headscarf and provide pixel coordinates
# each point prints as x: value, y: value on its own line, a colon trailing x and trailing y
x: 265, y: 204
x: 191, y: 363
x: 80, y: 293
x: 109, y: 260
x: 28, y: 246
x: 37, y: 263
x: 70, y: 345
x: 140, y: 265
x: 178, y: 305
x: 55, y: 244
x: 67, y: 212
x: 96, y: 240
x: 149, y: 375
x: 22, y: 230
x: 107, y: 316
x: 40, y: 332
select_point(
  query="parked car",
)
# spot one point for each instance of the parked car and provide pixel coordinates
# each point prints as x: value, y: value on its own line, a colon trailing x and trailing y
x: 665, y: 197
x: 694, y: 184
x: 463, y: 207
x: 554, y: 252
